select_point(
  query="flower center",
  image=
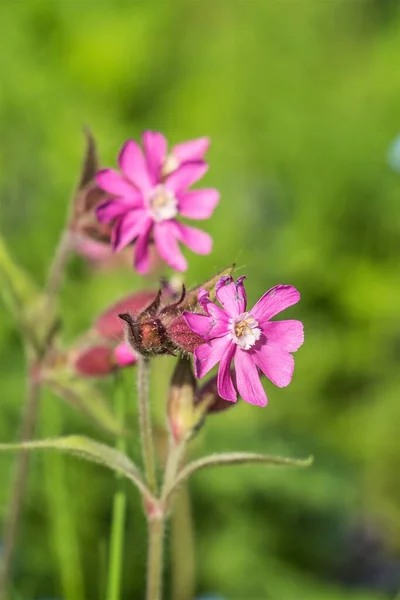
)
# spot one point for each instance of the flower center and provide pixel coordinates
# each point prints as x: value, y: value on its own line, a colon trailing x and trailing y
x: 245, y: 331
x: 162, y: 204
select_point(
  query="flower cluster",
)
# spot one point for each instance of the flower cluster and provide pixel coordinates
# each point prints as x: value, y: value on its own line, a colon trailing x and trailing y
x: 143, y: 203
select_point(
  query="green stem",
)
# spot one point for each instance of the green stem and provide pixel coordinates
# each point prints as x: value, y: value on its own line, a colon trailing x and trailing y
x: 145, y: 422
x: 155, y: 557
x: 57, y: 267
x: 118, y: 512
x: 182, y: 548
x: 19, y: 481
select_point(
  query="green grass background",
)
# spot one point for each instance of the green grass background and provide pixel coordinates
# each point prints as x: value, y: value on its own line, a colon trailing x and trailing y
x: 301, y: 100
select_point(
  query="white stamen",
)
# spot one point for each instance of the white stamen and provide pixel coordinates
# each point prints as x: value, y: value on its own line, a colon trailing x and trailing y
x: 162, y: 204
x: 245, y: 330
x: 170, y: 165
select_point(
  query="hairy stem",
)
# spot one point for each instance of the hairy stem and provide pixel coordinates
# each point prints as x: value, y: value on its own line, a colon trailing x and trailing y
x: 145, y: 422
x: 118, y: 512
x: 18, y: 483
x: 182, y: 548
x: 155, y: 557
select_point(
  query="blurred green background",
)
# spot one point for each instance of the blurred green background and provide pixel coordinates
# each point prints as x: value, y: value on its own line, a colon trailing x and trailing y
x: 301, y: 100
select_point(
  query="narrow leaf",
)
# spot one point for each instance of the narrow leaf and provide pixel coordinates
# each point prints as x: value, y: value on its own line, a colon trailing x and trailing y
x: 93, y: 452
x: 234, y: 458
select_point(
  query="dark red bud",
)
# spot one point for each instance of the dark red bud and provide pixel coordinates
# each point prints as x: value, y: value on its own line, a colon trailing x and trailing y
x: 147, y: 338
x: 110, y: 326
x: 95, y: 361
x: 183, y: 337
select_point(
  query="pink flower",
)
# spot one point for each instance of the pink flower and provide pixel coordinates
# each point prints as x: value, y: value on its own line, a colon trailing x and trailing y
x: 150, y: 194
x: 249, y: 338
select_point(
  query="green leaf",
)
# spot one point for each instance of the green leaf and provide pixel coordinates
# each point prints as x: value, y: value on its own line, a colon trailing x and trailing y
x: 234, y: 458
x: 93, y: 452
x: 85, y: 396
x: 16, y: 287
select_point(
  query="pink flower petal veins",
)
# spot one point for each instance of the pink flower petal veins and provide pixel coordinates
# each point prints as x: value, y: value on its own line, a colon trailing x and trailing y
x: 192, y: 150
x: 277, y: 364
x: 248, y: 379
x: 288, y: 335
x: 207, y: 327
x: 134, y: 166
x: 155, y: 150
x: 129, y: 227
x: 142, y: 258
x: 112, y: 182
x: 195, y: 239
x: 231, y: 295
x: 112, y: 209
x: 275, y: 301
x: 208, y: 355
x: 198, y: 204
x: 185, y: 176
x: 225, y: 385
x: 166, y: 240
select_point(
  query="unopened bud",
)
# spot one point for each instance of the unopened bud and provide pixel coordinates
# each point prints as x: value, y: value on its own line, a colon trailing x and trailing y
x: 183, y: 419
x: 208, y: 400
x: 95, y: 361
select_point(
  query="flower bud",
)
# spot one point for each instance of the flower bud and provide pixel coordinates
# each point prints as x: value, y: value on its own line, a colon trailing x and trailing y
x: 95, y: 361
x: 109, y: 325
x: 208, y: 399
x: 183, y: 419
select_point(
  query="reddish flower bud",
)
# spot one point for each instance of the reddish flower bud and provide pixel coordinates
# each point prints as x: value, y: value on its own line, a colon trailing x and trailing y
x: 160, y: 328
x: 109, y: 325
x: 207, y: 395
x: 95, y: 361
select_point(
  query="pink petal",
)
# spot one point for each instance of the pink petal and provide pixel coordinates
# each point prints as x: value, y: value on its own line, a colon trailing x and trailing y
x: 214, y: 311
x: 207, y: 327
x: 198, y: 204
x: 225, y: 385
x: 134, y: 166
x: 128, y: 228
x: 195, y: 239
x: 275, y: 363
x: 248, y: 379
x: 185, y: 176
x: 155, y: 150
x: 112, y: 182
x: 166, y: 240
x: 207, y: 355
x: 231, y: 295
x: 191, y: 150
x: 91, y: 249
x: 275, y: 301
x: 142, y: 259
x: 124, y: 355
x: 288, y: 335
x: 112, y: 209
